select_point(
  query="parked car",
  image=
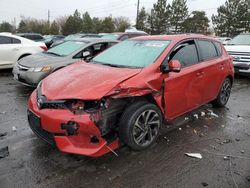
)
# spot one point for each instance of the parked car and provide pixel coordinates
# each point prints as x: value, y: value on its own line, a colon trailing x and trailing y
x: 32, y: 36
x: 49, y: 40
x: 239, y: 49
x: 14, y: 48
x: 75, y: 37
x: 124, y: 94
x: 224, y: 40
x: 32, y: 69
x: 122, y: 35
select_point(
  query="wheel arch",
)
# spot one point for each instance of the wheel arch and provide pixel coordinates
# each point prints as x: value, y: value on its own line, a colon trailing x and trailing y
x: 23, y: 55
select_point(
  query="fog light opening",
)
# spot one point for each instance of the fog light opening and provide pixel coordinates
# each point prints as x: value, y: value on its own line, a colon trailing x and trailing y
x: 94, y: 140
x: 70, y: 127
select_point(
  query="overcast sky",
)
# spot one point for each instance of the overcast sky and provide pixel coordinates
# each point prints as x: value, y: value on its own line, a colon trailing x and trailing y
x: 10, y: 9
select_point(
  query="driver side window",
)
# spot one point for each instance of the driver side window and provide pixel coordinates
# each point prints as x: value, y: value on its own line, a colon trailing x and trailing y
x: 185, y: 53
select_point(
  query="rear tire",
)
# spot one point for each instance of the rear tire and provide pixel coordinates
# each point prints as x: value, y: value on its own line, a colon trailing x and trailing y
x: 140, y: 125
x: 224, y: 94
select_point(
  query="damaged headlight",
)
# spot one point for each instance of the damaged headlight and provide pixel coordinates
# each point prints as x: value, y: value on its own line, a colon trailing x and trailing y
x: 78, y: 106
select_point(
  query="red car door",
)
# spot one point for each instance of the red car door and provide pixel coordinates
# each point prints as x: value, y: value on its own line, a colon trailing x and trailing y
x: 182, y: 90
x: 211, y: 70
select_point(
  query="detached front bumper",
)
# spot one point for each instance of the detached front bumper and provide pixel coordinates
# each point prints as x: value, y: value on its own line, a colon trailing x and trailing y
x: 47, y: 124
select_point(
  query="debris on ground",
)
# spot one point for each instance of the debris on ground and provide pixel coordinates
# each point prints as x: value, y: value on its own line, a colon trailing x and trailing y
x: 222, y: 126
x: 3, y: 112
x: 4, y: 152
x: 211, y: 113
x: 204, y: 184
x: 180, y: 129
x: 203, y: 114
x: 194, y: 155
x: 227, y: 141
x: 226, y: 158
x: 237, y: 139
x: 14, y: 128
x: 3, y: 134
x: 242, y: 151
x: 248, y: 178
x: 196, y: 116
x: 166, y: 139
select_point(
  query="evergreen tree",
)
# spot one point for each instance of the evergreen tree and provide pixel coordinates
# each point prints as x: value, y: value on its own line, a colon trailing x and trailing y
x: 142, y: 20
x: 97, y: 25
x: 6, y: 27
x: 22, y: 27
x: 73, y: 24
x: 179, y: 13
x: 108, y: 25
x: 159, y: 17
x: 87, y: 23
x: 233, y: 18
x: 54, y: 28
x: 198, y: 22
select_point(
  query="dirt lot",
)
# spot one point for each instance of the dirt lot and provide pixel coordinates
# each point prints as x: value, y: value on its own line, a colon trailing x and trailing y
x: 223, y: 141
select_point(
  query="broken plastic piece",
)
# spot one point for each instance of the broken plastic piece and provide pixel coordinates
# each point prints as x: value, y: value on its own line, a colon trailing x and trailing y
x: 14, y: 128
x: 4, y: 152
x: 194, y: 155
x: 196, y: 116
x: 213, y: 114
x: 203, y: 114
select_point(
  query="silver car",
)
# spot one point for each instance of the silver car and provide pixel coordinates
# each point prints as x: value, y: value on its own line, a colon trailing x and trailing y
x: 32, y: 69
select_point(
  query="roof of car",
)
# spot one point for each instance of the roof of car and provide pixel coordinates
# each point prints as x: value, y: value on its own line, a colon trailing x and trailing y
x: 172, y: 37
x: 28, y: 34
x: 92, y: 40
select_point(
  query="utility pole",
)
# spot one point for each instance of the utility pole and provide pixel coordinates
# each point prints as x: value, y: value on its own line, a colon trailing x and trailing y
x: 137, y: 15
x: 48, y: 17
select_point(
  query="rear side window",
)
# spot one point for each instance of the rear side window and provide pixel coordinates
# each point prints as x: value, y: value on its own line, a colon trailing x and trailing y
x: 218, y: 48
x: 186, y: 53
x: 5, y: 40
x: 207, y: 50
x: 16, y: 41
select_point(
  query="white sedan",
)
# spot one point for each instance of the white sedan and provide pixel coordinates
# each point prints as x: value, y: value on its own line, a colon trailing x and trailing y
x: 13, y: 48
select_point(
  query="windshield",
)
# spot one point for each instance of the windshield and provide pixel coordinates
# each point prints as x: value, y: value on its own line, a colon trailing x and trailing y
x: 132, y: 53
x: 66, y: 48
x: 240, y: 40
x: 111, y: 36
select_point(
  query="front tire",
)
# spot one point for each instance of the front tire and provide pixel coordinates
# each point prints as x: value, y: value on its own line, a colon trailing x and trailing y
x: 140, y: 125
x: 224, y: 94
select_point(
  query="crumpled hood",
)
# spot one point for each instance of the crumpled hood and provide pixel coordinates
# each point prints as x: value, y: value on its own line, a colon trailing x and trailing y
x: 238, y: 48
x: 84, y: 81
x: 40, y: 59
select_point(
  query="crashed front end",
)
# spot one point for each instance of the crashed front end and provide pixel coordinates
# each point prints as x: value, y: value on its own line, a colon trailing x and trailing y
x: 76, y: 126
x: 81, y: 127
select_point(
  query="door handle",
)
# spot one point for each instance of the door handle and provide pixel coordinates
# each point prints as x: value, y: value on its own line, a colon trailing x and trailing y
x: 199, y: 74
x: 222, y: 66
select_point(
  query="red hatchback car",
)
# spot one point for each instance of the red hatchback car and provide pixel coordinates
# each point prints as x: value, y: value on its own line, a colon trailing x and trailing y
x: 125, y: 93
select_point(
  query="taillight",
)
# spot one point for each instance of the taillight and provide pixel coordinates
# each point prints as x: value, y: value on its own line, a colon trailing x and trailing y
x: 44, y: 48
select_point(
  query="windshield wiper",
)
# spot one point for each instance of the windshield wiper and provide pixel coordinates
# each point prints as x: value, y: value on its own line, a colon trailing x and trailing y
x: 52, y: 53
x: 114, y: 65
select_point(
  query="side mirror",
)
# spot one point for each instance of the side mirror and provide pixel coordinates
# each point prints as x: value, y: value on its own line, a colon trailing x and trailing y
x: 172, y: 66
x: 85, y: 54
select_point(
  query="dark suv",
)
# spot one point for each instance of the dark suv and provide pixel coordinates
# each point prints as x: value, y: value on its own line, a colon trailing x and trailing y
x: 32, y: 36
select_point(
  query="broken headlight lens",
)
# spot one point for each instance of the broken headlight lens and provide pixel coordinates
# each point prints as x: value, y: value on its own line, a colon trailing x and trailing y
x: 78, y: 106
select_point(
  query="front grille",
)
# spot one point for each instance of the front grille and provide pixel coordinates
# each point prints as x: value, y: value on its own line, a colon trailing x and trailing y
x: 35, y: 125
x: 241, y: 57
x: 23, y: 68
